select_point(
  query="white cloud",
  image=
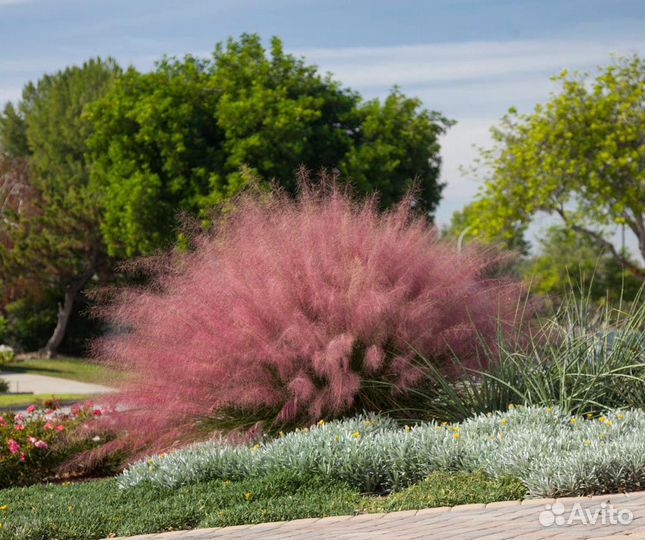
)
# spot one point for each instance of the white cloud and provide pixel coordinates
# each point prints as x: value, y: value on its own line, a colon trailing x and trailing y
x: 459, y: 61
x: 472, y: 82
x: 9, y: 94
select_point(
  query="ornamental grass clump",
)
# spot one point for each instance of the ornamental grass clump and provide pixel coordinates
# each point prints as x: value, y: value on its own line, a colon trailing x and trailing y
x: 291, y: 310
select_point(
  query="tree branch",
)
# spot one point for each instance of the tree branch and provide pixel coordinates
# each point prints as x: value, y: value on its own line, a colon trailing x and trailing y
x: 624, y: 261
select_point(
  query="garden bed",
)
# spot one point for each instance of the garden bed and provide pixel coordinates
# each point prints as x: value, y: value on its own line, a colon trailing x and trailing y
x: 364, y: 464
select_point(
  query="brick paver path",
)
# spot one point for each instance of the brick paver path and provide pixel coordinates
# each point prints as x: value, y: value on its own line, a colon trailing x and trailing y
x: 496, y: 521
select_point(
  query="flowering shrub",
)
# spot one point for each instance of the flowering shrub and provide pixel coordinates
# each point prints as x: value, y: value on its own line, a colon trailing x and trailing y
x: 294, y: 310
x: 552, y: 453
x: 33, y: 444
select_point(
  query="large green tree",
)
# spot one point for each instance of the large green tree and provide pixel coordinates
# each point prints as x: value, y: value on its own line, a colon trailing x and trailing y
x: 178, y: 138
x: 156, y: 151
x: 58, y: 244
x: 579, y: 157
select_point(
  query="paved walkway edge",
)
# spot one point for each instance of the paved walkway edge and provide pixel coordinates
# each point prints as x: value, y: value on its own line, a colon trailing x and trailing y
x: 578, y: 518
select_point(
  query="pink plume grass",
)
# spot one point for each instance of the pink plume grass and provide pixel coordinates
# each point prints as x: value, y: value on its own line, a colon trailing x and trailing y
x: 285, y: 311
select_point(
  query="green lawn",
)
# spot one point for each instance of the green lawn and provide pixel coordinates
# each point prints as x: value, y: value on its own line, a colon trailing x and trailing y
x: 99, y: 509
x: 22, y: 400
x: 76, y: 369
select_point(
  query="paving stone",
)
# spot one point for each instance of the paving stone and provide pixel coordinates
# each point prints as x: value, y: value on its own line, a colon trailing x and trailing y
x: 468, y: 507
x: 537, y: 502
x: 502, y: 504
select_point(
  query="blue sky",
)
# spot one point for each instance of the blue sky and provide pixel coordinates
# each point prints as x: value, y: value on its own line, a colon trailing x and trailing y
x: 470, y: 59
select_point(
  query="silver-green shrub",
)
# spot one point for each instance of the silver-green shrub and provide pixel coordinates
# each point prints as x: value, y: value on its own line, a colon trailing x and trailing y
x: 552, y: 453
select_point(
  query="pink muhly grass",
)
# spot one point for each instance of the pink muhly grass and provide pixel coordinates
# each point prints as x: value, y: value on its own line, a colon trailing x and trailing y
x: 286, y: 311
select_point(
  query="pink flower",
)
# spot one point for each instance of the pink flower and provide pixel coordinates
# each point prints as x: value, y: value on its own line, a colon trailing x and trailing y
x: 97, y: 412
x: 49, y: 411
x: 59, y: 427
x: 89, y: 404
x: 41, y: 444
x: 22, y: 456
x: 31, y: 409
x: 48, y: 425
x: 18, y: 427
x: 32, y: 440
x: 13, y: 446
x: 18, y: 418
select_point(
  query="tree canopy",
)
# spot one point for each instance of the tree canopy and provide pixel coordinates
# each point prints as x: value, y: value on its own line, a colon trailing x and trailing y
x: 580, y: 157
x: 110, y: 158
x: 177, y: 138
x: 57, y: 244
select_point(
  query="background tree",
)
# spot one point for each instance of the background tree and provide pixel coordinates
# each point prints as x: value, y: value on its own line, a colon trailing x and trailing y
x: 396, y: 142
x: 59, y: 244
x: 580, y: 157
x: 567, y: 260
x: 156, y: 151
x: 177, y: 138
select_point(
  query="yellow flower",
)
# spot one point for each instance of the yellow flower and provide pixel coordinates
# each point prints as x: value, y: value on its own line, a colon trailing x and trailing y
x: 503, y: 421
x: 151, y: 461
x: 587, y: 442
x: 455, y: 435
x: 162, y: 455
x: 256, y: 447
x: 548, y: 409
x: 248, y: 495
x: 573, y: 420
x: 321, y: 422
x: 620, y: 416
x: 589, y: 415
x: 356, y: 434
x: 368, y: 422
x: 601, y: 419
x: 4, y: 507
x: 337, y: 438
x: 608, y: 423
x: 455, y: 428
x: 281, y: 433
x: 407, y: 428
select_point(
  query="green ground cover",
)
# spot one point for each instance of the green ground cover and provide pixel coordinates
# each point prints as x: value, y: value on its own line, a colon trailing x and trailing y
x: 98, y: 509
x: 23, y: 400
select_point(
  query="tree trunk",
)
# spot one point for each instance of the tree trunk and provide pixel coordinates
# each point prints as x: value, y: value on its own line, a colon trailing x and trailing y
x: 64, y: 314
x: 65, y: 311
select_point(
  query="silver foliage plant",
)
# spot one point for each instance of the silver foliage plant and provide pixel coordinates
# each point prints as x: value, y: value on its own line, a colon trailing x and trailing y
x: 552, y: 453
